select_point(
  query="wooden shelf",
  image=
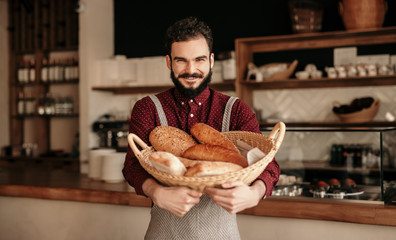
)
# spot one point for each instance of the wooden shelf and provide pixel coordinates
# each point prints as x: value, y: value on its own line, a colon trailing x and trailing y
x: 223, y: 86
x: 294, y: 83
x: 72, y: 115
x: 59, y: 159
x: 72, y: 81
x: 335, y: 124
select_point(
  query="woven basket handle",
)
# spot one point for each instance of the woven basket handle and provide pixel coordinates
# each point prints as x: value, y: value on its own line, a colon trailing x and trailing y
x: 280, y: 129
x: 132, y: 138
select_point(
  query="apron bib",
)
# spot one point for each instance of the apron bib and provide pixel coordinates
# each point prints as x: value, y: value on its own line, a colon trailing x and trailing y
x: 206, y: 220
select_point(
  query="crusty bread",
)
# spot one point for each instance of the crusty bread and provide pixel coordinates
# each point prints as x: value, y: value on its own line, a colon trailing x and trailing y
x: 208, y: 135
x: 171, y: 139
x: 189, y: 162
x: 168, y: 163
x: 214, y: 153
x: 207, y: 169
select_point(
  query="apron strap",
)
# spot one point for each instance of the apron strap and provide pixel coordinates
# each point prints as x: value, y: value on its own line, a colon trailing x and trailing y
x: 227, y: 114
x: 226, y: 117
x: 160, y: 110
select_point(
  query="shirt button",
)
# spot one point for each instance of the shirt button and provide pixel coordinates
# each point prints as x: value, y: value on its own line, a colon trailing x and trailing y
x: 191, y: 115
x: 182, y: 103
x: 191, y: 100
x: 199, y: 104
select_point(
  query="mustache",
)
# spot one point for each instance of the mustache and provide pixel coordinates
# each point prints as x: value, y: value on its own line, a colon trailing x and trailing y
x: 187, y: 75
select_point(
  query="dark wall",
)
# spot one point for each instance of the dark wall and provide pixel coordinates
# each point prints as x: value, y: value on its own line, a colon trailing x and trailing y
x: 140, y: 25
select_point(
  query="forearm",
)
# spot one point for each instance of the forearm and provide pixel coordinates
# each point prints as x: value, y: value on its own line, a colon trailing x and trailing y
x: 270, y: 176
x: 149, y: 187
x: 259, y: 188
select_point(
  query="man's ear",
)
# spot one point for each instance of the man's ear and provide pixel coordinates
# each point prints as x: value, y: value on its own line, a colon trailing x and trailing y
x: 211, y: 60
x: 168, y: 62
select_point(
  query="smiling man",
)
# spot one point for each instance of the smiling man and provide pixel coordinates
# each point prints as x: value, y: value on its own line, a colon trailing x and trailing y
x: 180, y: 212
x: 190, y: 63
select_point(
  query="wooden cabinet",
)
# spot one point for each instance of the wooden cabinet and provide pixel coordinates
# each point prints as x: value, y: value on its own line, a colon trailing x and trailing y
x: 247, y: 49
x: 43, y: 52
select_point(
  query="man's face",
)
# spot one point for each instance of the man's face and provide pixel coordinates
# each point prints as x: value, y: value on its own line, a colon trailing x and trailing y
x: 191, y: 62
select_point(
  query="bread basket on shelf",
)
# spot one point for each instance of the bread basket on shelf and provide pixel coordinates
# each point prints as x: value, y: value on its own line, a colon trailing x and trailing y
x: 268, y: 144
x: 364, y: 115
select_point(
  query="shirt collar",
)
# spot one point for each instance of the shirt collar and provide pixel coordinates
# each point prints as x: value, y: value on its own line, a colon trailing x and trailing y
x: 200, y: 99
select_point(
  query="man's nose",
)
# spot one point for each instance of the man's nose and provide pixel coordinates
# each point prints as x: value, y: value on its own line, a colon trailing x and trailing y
x: 190, y: 68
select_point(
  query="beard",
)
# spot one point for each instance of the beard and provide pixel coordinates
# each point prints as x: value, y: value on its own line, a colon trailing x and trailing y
x: 191, y: 92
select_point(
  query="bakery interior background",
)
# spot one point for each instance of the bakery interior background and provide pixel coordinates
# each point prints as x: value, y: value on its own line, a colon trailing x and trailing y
x: 140, y: 25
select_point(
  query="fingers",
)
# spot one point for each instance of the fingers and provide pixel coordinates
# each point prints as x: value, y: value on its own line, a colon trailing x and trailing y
x: 194, y: 193
x: 232, y: 184
x: 233, y: 196
x: 179, y: 200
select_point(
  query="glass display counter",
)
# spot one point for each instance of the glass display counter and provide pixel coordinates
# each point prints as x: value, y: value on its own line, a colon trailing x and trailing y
x: 350, y: 164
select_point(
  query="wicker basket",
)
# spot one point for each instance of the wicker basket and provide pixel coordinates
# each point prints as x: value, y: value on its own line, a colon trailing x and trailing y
x: 364, y: 115
x: 268, y: 145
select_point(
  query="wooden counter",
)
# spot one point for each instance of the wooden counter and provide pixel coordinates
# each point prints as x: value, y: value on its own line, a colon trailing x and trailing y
x: 60, y: 184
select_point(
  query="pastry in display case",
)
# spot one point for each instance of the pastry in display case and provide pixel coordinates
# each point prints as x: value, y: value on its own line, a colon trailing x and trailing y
x: 348, y: 164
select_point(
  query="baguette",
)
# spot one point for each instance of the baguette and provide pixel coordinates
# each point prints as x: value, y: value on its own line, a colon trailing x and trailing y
x: 171, y: 139
x: 168, y: 163
x: 214, y: 153
x: 207, y: 169
x: 208, y: 135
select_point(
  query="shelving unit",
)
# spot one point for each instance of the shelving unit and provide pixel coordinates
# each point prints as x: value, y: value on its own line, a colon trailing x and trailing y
x: 248, y: 48
x: 38, y: 30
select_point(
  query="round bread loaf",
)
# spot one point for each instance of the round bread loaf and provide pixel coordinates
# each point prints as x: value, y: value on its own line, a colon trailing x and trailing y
x: 171, y: 139
x: 208, y: 135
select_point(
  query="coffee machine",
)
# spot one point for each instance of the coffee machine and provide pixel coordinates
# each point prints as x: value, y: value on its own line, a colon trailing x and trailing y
x: 112, y: 134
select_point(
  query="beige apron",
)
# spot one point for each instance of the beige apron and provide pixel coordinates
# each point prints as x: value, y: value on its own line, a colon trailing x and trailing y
x: 206, y: 220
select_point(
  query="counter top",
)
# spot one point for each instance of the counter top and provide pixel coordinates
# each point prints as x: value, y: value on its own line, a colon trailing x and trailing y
x: 61, y: 184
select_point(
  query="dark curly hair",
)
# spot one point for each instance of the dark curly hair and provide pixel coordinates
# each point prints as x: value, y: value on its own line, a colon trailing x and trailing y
x: 186, y: 29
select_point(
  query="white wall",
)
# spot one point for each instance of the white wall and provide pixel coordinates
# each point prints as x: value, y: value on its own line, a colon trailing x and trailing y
x: 96, y: 41
x: 26, y: 218
x: 4, y: 120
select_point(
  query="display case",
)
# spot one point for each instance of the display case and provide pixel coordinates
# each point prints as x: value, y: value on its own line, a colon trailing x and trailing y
x: 332, y: 163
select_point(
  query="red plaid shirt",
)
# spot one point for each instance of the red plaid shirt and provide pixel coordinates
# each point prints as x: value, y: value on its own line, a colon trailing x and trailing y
x: 181, y: 112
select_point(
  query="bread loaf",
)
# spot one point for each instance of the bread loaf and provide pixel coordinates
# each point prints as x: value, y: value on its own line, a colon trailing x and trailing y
x: 168, y: 163
x: 208, y: 135
x: 214, y: 153
x: 207, y: 169
x: 189, y: 162
x: 171, y: 139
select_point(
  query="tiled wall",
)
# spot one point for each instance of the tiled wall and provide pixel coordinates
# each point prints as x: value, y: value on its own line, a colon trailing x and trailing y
x: 316, y: 105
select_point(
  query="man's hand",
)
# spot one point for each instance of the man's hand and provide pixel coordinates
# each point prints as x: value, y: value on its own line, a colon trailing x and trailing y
x: 237, y: 196
x: 177, y: 200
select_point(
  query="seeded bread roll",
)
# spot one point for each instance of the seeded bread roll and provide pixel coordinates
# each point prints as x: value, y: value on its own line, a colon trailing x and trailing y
x: 168, y: 163
x: 207, y: 169
x: 208, y: 135
x: 171, y: 139
x: 214, y: 153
